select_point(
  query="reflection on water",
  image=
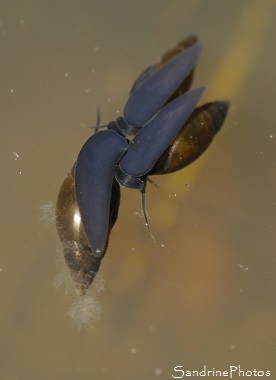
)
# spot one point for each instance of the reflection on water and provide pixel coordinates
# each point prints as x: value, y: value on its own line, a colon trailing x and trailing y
x: 204, y: 292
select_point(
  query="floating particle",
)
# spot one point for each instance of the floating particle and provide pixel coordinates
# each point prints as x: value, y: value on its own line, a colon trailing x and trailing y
x: 245, y: 269
x: 16, y: 156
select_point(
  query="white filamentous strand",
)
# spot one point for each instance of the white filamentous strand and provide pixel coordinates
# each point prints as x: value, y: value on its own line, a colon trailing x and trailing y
x: 84, y: 312
x: 48, y: 214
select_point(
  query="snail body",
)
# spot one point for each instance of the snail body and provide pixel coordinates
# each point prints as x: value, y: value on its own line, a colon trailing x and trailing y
x: 169, y: 132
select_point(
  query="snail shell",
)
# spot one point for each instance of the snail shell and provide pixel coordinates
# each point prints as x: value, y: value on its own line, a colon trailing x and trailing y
x: 79, y: 258
x: 193, y: 139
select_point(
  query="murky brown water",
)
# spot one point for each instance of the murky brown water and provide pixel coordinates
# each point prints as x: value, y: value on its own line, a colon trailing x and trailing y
x: 204, y: 293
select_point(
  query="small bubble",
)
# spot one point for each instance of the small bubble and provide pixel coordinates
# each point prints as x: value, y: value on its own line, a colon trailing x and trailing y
x: 133, y: 350
x: 96, y: 48
x: 66, y: 75
x: 12, y: 90
x: 187, y: 185
x: 162, y: 245
x: 271, y: 136
x: 158, y: 371
x: 232, y: 347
